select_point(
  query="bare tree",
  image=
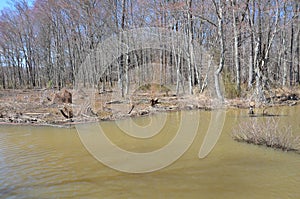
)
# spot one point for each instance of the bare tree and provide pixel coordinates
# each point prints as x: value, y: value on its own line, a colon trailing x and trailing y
x: 219, y: 5
x: 45, y: 44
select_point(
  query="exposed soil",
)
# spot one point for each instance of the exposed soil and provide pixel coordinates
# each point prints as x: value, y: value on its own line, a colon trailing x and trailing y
x: 68, y: 107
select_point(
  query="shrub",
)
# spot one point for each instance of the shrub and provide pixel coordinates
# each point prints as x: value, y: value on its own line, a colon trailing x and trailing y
x: 267, y: 133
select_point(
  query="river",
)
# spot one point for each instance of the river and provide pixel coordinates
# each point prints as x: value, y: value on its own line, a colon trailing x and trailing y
x: 50, y: 162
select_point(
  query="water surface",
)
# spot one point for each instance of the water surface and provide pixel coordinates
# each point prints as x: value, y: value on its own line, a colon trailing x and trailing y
x: 48, y: 162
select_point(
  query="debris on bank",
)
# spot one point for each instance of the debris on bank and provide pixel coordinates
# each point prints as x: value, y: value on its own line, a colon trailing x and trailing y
x: 53, y: 107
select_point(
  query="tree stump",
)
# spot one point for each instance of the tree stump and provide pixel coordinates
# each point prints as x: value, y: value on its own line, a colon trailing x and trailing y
x: 251, y: 108
x: 154, y: 102
x: 62, y: 97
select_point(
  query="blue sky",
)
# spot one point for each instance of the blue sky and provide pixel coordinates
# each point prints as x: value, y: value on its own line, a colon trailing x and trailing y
x: 8, y: 3
x: 4, y: 3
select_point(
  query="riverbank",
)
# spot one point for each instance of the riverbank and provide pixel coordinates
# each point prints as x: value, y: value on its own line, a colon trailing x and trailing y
x: 69, y: 107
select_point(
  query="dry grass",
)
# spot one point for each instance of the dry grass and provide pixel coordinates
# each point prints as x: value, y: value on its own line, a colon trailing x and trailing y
x: 267, y: 133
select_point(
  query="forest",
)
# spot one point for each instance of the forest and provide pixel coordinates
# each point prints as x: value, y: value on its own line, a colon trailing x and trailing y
x: 254, y: 44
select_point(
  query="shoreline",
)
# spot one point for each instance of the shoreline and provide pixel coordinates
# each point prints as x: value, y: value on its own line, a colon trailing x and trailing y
x: 40, y: 107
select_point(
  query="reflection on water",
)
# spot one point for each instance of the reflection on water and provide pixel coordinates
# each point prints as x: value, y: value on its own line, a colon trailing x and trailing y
x: 46, y: 162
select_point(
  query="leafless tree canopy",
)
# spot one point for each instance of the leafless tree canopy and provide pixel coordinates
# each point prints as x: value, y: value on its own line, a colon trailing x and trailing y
x: 255, y: 44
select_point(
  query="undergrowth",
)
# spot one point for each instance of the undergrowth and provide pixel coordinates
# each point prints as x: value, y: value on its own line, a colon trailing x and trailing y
x: 267, y: 133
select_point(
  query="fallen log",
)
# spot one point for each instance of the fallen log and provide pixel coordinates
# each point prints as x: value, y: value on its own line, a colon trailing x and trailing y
x: 114, y: 102
x: 90, y: 112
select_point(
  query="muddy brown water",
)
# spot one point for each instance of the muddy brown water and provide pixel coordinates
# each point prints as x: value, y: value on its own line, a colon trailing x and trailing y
x: 49, y: 162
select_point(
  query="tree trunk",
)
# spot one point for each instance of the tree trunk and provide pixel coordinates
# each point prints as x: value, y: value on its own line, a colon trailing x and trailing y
x: 222, y: 50
x: 236, y: 48
x: 252, y: 58
x: 190, y: 47
x: 291, y: 72
x: 297, y: 56
x: 284, y: 76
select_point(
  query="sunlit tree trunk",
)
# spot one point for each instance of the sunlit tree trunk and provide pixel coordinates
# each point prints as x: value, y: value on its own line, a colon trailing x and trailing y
x: 190, y: 47
x: 219, y: 10
x: 236, y: 46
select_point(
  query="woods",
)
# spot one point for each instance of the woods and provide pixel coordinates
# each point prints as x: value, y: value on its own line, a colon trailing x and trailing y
x: 255, y: 44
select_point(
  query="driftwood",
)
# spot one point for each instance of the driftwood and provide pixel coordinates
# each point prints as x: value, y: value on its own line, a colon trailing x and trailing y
x: 143, y: 112
x: 283, y: 96
x: 115, y: 102
x: 90, y: 112
x: 154, y: 102
x: 104, y: 92
x: 67, y: 113
x: 132, y: 107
